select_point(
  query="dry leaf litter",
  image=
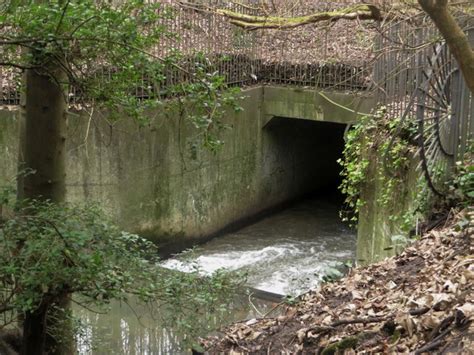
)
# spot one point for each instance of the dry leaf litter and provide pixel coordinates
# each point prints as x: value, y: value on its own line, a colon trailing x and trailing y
x: 421, y: 301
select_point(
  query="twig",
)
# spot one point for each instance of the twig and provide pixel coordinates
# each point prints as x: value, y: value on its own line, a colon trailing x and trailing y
x: 358, y: 320
x: 419, y: 311
x: 253, y: 306
x: 273, y: 308
x: 322, y: 330
x: 86, y: 137
x: 445, y: 323
x: 63, y: 13
x: 344, y: 107
x: 15, y: 65
x: 135, y: 313
x: 87, y: 308
x: 4, y: 309
x: 429, y: 346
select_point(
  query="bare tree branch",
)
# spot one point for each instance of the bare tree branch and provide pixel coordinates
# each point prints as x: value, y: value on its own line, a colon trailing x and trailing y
x: 249, y: 22
x: 15, y: 65
x: 457, y: 41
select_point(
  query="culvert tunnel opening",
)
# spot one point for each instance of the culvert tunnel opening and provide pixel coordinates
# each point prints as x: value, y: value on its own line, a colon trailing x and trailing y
x: 301, y: 156
x: 292, y: 248
x: 298, y: 237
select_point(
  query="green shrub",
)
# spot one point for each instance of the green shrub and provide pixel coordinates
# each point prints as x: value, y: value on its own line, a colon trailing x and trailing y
x: 49, y: 250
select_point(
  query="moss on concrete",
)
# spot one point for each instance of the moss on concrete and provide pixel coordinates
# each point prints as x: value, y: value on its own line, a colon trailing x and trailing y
x: 159, y: 181
x: 379, y: 222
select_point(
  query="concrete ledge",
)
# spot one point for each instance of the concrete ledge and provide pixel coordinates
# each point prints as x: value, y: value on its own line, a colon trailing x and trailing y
x: 314, y: 105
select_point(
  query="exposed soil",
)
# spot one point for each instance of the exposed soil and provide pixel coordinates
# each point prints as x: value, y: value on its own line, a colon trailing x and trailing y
x: 421, y: 301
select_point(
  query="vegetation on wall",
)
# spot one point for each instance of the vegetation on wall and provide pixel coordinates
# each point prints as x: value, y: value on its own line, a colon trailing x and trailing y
x: 51, y: 252
x: 380, y: 156
x: 461, y: 187
x: 373, y: 137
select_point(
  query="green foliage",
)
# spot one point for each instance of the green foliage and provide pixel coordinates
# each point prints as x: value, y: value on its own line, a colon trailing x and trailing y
x: 49, y: 250
x: 399, y: 241
x: 110, y: 53
x: 354, y: 169
x: 340, y: 346
x: 206, y: 101
x: 291, y: 300
x: 461, y: 187
x: 336, y: 270
x: 332, y: 274
x: 376, y: 136
x: 84, y: 36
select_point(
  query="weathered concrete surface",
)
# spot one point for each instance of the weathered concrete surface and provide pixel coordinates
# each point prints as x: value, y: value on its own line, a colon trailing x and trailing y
x: 379, y: 222
x: 314, y: 105
x: 155, y: 183
x: 8, y: 146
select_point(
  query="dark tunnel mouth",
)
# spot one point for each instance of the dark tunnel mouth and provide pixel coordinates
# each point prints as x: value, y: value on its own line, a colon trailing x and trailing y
x: 312, y: 149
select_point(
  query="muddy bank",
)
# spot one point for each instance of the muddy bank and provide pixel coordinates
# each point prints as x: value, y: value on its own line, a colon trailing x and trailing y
x: 421, y: 301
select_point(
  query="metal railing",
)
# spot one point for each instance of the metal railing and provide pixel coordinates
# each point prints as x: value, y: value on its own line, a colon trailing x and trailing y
x: 315, y: 56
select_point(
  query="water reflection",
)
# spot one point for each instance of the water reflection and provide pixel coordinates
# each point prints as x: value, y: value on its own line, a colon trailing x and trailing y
x: 138, y: 329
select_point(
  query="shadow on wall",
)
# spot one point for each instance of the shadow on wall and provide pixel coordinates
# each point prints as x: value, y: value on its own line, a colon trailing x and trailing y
x: 298, y: 161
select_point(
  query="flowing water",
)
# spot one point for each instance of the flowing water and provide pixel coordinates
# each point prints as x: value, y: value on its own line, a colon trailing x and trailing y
x: 287, y: 253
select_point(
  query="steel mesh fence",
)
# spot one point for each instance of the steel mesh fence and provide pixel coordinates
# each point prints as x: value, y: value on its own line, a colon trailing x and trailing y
x: 315, y: 56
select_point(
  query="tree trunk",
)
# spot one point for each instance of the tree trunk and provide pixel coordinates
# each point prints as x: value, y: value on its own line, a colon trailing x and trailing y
x: 44, y: 156
x: 45, y: 136
x: 37, y: 326
x: 21, y: 146
x: 249, y: 22
x: 43, y: 153
x: 455, y: 37
x: 34, y: 332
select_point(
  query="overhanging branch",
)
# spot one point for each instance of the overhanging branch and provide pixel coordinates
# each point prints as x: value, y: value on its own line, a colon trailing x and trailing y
x: 250, y: 22
x: 15, y: 65
x: 363, y: 12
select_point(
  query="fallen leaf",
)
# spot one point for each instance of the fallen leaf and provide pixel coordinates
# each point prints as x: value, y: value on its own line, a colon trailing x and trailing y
x: 301, y: 334
x: 467, y: 309
x: 391, y: 285
x: 251, y: 321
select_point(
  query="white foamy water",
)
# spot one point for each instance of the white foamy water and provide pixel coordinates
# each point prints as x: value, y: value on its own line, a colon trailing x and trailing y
x: 287, y: 253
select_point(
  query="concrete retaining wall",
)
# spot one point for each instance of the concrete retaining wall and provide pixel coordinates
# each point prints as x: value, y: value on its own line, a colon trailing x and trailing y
x: 155, y: 183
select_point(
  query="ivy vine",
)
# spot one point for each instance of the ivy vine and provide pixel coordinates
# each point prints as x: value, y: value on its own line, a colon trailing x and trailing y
x: 382, y: 147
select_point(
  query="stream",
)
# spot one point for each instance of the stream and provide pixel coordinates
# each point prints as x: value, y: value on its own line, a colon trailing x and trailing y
x: 287, y: 253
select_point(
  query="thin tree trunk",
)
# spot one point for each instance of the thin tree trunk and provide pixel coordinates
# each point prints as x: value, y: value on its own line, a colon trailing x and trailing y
x: 21, y: 145
x: 34, y: 332
x: 45, y: 136
x: 44, y: 154
x: 455, y: 37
